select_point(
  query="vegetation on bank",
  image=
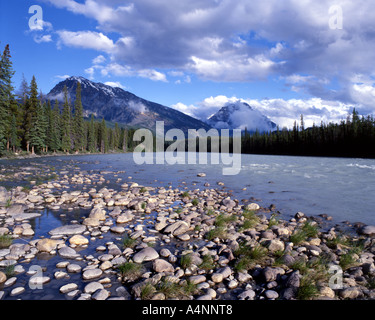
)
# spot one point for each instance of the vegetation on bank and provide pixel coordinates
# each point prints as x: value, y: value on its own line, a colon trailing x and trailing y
x: 30, y: 123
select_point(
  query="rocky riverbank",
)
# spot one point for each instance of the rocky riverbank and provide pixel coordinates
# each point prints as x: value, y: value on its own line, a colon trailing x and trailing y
x: 140, y: 242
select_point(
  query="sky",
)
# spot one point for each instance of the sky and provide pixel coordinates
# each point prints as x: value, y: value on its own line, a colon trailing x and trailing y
x: 284, y: 58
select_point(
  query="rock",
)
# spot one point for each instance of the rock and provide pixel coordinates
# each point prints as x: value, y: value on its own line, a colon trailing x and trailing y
x: 10, y: 282
x: 271, y: 294
x: 146, y: 254
x: 125, y: 217
x: 287, y: 259
x: 247, y: 295
x: 184, y: 237
x: 68, y: 287
x: 74, y: 268
x: 47, y: 245
x: 68, y: 253
x: 68, y: 230
x: 106, y: 265
x: 197, y: 279
x: 92, y: 287
x: 161, y: 265
x: 91, y: 222
x: 270, y: 274
x: 4, y: 195
x: 17, y: 291
x: 3, y: 231
x: 326, y: 292
x: 34, y: 199
x: 294, y: 280
x: 101, y: 294
x: 275, y: 245
x: 16, y: 209
x: 177, y: 228
x: 97, y: 213
x: 38, y: 281
x: 350, y: 293
x: 117, y: 229
x: 78, y: 240
x: 232, y: 284
x: 113, y: 249
x: 26, y: 216
x: 3, y: 277
x: 368, y: 230
x: 253, y: 206
x: 165, y: 253
x: 299, y: 215
x: 217, y: 277
x: 229, y: 203
x: 92, y: 274
x: 28, y: 232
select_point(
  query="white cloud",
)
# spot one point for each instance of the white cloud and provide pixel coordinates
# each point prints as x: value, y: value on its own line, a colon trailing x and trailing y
x: 99, y: 60
x: 62, y: 78
x: 282, y: 112
x: 41, y: 39
x: 86, y: 39
x: 114, y: 84
x: 235, y: 41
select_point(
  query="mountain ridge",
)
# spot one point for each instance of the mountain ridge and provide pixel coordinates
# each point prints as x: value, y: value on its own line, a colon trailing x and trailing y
x: 118, y: 105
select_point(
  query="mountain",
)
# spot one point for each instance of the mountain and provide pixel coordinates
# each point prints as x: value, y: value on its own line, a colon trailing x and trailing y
x: 123, y: 107
x: 240, y: 115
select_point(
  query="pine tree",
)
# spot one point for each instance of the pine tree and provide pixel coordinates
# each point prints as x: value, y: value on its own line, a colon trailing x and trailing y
x: 55, y: 128
x: 103, y: 137
x: 91, y: 135
x: 66, y: 123
x: 7, y: 100
x: 79, y: 129
x: 31, y: 116
x: 38, y: 131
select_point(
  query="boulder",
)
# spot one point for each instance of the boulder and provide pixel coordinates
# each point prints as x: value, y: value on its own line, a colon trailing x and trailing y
x: 146, y: 254
x: 368, y: 231
x: 161, y: 265
x: 68, y: 253
x: 47, y: 245
x: 177, y: 228
x: 78, y: 240
x: 68, y: 230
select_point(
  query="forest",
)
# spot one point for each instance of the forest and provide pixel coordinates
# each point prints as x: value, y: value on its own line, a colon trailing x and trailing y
x: 31, y: 124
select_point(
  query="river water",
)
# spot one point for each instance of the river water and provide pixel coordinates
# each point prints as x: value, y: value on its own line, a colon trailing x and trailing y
x: 339, y: 187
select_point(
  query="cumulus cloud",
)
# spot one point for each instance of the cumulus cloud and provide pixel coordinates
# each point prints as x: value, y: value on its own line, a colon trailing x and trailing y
x: 236, y: 41
x: 282, y: 112
x: 86, y: 39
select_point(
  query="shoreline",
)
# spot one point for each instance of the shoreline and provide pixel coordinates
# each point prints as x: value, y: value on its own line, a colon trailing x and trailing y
x: 202, y: 243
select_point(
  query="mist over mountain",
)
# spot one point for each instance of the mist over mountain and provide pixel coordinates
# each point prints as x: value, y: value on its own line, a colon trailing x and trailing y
x: 240, y: 115
x: 117, y: 105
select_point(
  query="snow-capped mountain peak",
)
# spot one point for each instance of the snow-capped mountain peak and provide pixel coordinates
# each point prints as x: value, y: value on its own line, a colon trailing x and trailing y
x: 240, y: 115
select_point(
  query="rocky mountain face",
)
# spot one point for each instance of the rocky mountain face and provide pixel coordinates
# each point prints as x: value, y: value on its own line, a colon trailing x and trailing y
x: 117, y: 105
x: 242, y: 116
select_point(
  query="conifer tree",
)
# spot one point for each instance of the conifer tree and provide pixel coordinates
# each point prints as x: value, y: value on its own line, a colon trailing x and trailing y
x: 7, y: 100
x: 79, y: 129
x: 55, y: 128
x: 31, y: 116
x: 66, y: 123
x: 91, y: 135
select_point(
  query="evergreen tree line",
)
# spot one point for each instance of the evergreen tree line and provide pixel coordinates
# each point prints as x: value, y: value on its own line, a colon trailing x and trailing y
x: 30, y: 122
x: 353, y: 137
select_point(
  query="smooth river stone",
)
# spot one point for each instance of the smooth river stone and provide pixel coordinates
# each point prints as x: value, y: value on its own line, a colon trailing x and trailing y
x: 68, y: 230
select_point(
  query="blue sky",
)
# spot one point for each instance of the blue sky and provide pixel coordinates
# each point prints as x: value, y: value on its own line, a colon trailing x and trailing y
x: 285, y: 58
